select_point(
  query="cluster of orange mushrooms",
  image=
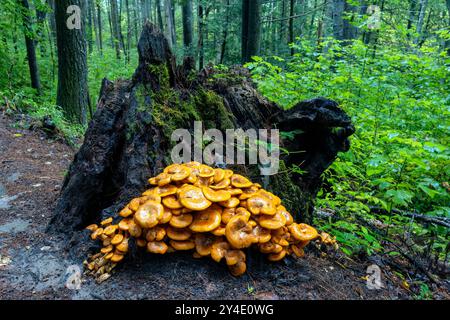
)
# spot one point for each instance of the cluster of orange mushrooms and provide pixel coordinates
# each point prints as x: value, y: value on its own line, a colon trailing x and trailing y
x: 212, y: 211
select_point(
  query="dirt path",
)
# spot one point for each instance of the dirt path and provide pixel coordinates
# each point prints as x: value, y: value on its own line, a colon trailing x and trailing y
x: 35, y: 266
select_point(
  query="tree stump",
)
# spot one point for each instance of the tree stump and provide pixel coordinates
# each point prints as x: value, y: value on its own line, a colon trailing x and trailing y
x: 128, y: 139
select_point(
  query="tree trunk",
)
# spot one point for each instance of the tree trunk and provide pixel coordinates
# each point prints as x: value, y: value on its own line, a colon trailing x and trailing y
x: 89, y: 27
x: 421, y: 19
x: 201, y: 28
x: 188, y: 20
x: 447, y: 43
x: 127, y: 5
x: 170, y: 23
x: 291, y: 24
x: 72, y: 93
x: 31, y: 46
x: 100, y: 31
x: 411, y: 16
x: 159, y: 13
x: 129, y: 137
x: 115, y: 32
x: 225, y: 32
x: 251, y: 29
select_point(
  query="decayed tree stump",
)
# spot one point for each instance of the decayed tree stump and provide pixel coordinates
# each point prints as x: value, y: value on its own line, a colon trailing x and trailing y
x: 128, y: 139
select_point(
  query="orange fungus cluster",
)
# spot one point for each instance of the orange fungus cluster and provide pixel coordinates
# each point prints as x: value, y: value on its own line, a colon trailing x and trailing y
x: 210, y: 211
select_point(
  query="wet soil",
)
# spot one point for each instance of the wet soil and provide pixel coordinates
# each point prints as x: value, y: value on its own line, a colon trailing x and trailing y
x: 35, y: 265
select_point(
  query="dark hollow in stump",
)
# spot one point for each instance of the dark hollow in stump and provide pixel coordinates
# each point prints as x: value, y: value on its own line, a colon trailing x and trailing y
x: 128, y: 139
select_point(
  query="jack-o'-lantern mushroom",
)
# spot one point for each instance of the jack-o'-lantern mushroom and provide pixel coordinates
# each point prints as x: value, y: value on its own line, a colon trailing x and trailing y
x: 207, y: 220
x: 193, y: 198
x: 216, y: 195
x: 148, y: 214
x: 239, y: 233
x: 258, y: 204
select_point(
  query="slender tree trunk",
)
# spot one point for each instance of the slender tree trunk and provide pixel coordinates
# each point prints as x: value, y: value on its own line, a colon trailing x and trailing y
x: 244, y: 34
x: 251, y: 29
x: 72, y: 93
x: 282, y: 39
x: 100, y: 30
x: 89, y: 28
x: 135, y: 21
x: 115, y: 27
x: 225, y: 32
x: 447, y: 43
x: 420, y: 21
x: 159, y: 13
x: 127, y: 5
x: 31, y: 46
x: 94, y: 23
x: 51, y: 18
x: 291, y: 24
x: 411, y: 17
x: 170, y: 23
x: 188, y: 20
x: 201, y: 26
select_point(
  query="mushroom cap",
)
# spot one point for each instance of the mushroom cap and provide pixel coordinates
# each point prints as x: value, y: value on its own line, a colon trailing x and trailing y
x: 181, y: 221
x: 270, y: 247
x: 117, y: 257
x: 118, y: 238
x: 276, y: 200
x: 204, y: 243
x: 178, y: 172
x: 125, y: 212
x: 219, y: 175
x: 162, y: 179
x: 219, y: 231
x: 148, y: 214
x: 235, y: 191
x: 225, y: 183
x: 230, y: 203
x: 106, y: 222
x: 258, y: 204
x: 303, y: 232
x: 182, y: 245
x: 297, y: 250
x: 289, y: 219
x: 277, y: 256
x: 134, y: 204
x: 155, y: 234
x: 239, y: 233
x: 124, y: 224
x: 172, y: 202
x: 152, y: 196
x: 178, y: 234
x: 238, y: 269
x: 134, y: 229
x: 207, y: 220
x: 232, y: 257
x: 107, y: 249
x: 216, y: 196
x: 193, y: 198
x: 239, y: 181
x: 205, y: 171
x: 157, y: 247
x: 166, y: 190
x: 272, y: 222
x: 227, y: 214
x: 219, y: 249
x: 167, y: 215
x: 109, y: 230
x: 228, y: 173
x: 123, y: 246
x: 261, y: 235
x: 107, y: 257
x: 98, y: 232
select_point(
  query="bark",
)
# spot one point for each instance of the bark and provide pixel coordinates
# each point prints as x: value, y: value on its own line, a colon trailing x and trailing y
x: 124, y: 144
x: 159, y: 13
x: 251, y: 29
x: 201, y: 28
x: 421, y: 19
x: 115, y: 35
x: 89, y: 27
x: 127, y: 5
x: 188, y: 20
x: 31, y: 46
x: 225, y: 32
x: 291, y: 24
x: 170, y: 23
x: 342, y: 25
x: 72, y: 92
x: 100, y: 31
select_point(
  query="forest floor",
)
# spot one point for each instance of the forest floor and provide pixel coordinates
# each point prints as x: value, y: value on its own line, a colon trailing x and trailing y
x: 33, y: 265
